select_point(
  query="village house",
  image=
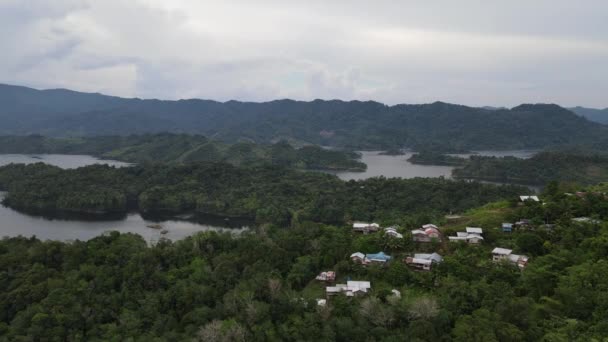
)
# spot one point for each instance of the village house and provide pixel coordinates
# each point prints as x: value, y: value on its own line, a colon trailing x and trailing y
x: 351, y: 288
x: 392, y: 232
x: 423, y: 261
x: 426, y: 234
x: 366, y: 259
x: 472, y: 235
x: 358, y: 257
x: 499, y: 254
x: 507, y: 227
x: 326, y: 276
x: 378, y: 258
x: 365, y: 228
x: 529, y: 198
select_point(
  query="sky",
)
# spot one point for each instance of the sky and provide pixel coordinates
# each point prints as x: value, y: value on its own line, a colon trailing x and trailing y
x: 497, y: 53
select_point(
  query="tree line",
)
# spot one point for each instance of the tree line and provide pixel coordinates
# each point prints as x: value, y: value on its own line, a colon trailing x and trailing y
x: 265, y: 193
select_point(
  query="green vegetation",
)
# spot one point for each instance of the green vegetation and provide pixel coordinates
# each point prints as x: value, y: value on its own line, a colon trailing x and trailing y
x: 182, y: 148
x: 260, y: 286
x: 584, y: 168
x: 435, y: 158
x: 267, y: 193
x: 354, y: 125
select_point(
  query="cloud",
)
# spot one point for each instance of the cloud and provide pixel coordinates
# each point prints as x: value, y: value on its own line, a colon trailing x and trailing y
x: 471, y: 52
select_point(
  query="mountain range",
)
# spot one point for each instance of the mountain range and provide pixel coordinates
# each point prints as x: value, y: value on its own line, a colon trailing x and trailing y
x: 597, y: 115
x: 350, y: 124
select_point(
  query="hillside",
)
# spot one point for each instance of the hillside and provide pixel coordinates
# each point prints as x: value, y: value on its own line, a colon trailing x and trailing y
x: 592, y: 114
x: 182, y: 148
x: 354, y: 124
x: 261, y: 285
x: 583, y: 168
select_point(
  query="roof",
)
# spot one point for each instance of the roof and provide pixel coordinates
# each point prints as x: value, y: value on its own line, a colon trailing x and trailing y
x: 474, y: 230
x: 363, y: 285
x: 431, y: 257
x: 507, y: 225
x: 430, y: 225
x: 526, y: 198
x: 502, y: 251
x: 392, y: 232
x: 358, y: 255
x: 365, y: 225
x: 422, y: 261
x: 431, y: 230
x: 380, y: 256
x: 418, y: 231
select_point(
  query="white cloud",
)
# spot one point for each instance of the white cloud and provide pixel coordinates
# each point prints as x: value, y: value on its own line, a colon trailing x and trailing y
x: 471, y: 52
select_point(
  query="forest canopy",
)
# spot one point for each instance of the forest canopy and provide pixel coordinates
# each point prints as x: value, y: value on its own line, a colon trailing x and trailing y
x: 266, y: 193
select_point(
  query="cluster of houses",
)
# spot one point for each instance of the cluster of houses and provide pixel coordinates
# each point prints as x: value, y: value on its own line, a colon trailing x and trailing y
x: 366, y: 228
x: 417, y: 261
x: 471, y: 235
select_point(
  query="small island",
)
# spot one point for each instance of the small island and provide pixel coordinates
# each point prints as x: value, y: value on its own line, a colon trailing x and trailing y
x: 436, y: 158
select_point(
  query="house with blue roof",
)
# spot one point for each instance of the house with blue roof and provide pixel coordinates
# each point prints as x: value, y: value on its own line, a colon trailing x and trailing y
x: 379, y: 257
x: 507, y: 227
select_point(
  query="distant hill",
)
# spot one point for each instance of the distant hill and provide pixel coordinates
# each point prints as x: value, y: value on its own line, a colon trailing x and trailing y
x: 354, y: 124
x: 597, y: 115
x: 181, y: 148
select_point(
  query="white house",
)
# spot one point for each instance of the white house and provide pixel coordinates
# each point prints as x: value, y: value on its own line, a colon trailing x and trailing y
x: 499, y: 254
x: 529, y: 198
x: 363, y: 227
x: 392, y: 232
x: 472, y: 235
x: 351, y: 288
x: 423, y: 261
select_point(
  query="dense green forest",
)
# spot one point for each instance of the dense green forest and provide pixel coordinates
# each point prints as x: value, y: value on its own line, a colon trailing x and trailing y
x: 582, y: 167
x: 267, y: 193
x: 435, y: 158
x: 353, y: 125
x: 171, y: 148
x: 260, y: 286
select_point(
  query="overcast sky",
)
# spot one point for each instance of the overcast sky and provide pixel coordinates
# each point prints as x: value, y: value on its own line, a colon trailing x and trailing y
x: 468, y: 52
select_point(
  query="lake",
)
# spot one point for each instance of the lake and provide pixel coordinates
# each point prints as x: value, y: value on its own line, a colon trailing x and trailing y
x: 62, y: 160
x: 13, y: 223
x: 398, y: 166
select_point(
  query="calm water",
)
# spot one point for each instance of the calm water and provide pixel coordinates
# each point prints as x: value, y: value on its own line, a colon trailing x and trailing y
x: 398, y: 166
x: 61, y: 160
x: 13, y: 223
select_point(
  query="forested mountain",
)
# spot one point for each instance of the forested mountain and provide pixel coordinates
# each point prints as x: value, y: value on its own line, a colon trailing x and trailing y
x: 183, y: 148
x: 597, y: 115
x: 353, y: 124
